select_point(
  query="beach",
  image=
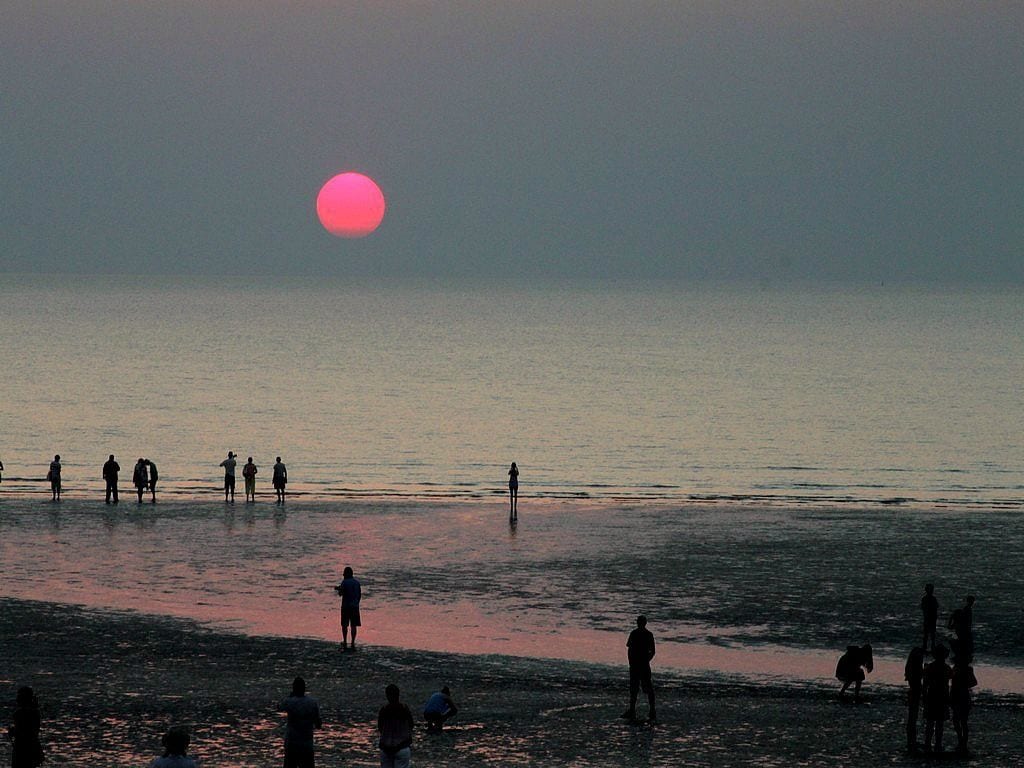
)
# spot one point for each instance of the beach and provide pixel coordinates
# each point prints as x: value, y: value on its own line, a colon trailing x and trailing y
x: 110, y: 683
x: 128, y: 618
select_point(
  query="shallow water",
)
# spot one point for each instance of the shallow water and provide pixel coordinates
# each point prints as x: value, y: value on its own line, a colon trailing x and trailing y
x: 752, y: 591
x: 876, y: 394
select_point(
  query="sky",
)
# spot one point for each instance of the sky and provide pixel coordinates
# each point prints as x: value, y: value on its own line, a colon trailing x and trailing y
x: 516, y: 140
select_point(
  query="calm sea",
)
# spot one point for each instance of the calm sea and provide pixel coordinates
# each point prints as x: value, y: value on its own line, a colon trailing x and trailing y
x: 877, y: 394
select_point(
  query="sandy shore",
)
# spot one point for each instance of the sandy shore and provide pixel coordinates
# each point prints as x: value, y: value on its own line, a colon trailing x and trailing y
x: 110, y: 683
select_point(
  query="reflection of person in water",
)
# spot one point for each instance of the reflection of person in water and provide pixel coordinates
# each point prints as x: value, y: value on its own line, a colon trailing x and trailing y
x: 851, y: 666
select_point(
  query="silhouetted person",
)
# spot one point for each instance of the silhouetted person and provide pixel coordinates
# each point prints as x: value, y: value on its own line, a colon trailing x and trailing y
x: 960, y: 700
x: 153, y: 477
x: 26, y: 750
x: 395, y: 724
x: 351, y: 592
x: 961, y: 621
x: 54, y: 477
x: 513, y: 492
x: 935, y: 692
x: 140, y: 477
x: 229, y: 475
x: 280, y: 479
x: 851, y: 666
x: 175, y: 742
x: 249, y: 473
x: 912, y: 673
x: 303, y: 718
x: 110, y: 470
x: 439, y: 708
x: 1, y: 471
x: 930, y: 615
x: 640, y: 651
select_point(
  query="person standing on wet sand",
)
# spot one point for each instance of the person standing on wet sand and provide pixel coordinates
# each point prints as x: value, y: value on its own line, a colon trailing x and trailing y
x: 1, y: 471
x: 140, y: 477
x: 229, y: 475
x: 395, y: 724
x: 640, y: 651
x: 26, y: 750
x: 280, y: 479
x: 303, y: 718
x: 54, y: 477
x: 249, y: 473
x: 110, y: 470
x: 935, y: 692
x: 912, y: 673
x: 930, y: 614
x: 351, y: 592
x: 153, y: 477
x: 960, y: 685
x: 513, y: 492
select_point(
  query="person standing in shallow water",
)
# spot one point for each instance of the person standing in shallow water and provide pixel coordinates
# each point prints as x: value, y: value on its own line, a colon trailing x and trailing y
x: 280, y: 479
x: 303, y: 718
x: 54, y: 477
x: 351, y: 592
x: 26, y: 749
x: 153, y: 477
x: 930, y: 615
x: 140, y: 477
x: 640, y: 651
x: 513, y: 492
x: 249, y: 473
x: 110, y: 470
x: 229, y: 475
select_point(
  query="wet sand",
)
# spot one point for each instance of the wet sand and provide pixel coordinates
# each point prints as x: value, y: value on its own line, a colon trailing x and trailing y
x: 111, y: 682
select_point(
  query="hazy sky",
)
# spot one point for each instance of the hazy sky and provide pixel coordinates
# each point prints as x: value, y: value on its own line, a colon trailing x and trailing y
x: 518, y: 139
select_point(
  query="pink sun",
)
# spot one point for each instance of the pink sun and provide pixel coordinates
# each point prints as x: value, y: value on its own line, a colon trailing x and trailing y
x: 350, y: 205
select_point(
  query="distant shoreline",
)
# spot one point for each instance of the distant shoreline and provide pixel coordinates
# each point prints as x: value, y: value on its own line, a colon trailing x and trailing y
x: 18, y: 489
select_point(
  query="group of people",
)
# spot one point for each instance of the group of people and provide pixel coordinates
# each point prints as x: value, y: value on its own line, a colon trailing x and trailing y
x: 144, y: 477
x: 249, y: 472
x: 943, y: 691
x: 938, y: 690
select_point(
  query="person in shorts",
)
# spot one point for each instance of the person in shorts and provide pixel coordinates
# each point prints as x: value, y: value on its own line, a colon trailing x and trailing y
x: 351, y: 592
x: 280, y: 479
x: 229, y: 475
x: 249, y: 473
x: 439, y: 708
x: 640, y: 651
x: 54, y: 477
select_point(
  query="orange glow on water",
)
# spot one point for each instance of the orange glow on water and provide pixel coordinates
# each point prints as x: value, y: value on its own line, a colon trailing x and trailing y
x: 350, y: 205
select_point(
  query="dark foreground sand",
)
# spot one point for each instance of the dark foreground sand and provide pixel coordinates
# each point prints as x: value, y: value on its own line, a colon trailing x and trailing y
x: 110, y: 683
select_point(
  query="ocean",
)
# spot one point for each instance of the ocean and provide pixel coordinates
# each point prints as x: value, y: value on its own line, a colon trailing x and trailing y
x: 836, y: 395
